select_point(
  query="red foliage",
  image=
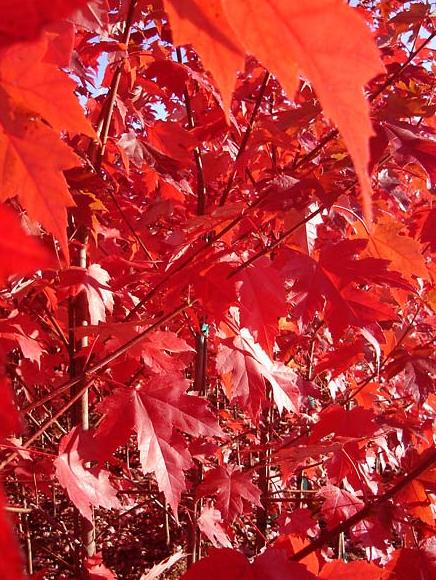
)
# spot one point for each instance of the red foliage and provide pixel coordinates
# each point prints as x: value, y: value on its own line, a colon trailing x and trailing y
x: 217, y: 233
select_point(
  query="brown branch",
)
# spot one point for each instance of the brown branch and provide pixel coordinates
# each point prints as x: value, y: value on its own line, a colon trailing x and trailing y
x: 393, y: 77
x: 17, y: 509
x: 96, y: 152
x: 246, y: 137
x: 425, y: 463
x: 104, y: 124
x: 383, y: 363
x: 92, y: 370
x: 276, y: 243
x: 201, y: 182
x: 50, y: 421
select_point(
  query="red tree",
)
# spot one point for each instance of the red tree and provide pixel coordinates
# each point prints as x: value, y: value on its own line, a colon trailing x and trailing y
x: 218, y: 304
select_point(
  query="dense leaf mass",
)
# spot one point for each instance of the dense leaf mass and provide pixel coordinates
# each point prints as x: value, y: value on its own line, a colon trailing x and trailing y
x: 217, y: 302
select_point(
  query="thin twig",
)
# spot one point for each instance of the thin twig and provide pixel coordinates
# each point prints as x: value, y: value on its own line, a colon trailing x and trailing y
x: 104, y: 125
x: 246, y: 137
x: 17, y: 509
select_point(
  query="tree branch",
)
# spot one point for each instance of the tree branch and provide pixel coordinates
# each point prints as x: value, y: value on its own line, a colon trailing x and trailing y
x: 426, y: 462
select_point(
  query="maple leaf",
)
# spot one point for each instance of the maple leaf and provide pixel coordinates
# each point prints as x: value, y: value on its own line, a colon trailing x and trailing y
x: 344, y: 463
x: 161, y: 567
x: 249, y: 366
x: 418, y: 367
x: 232, y: 487
x: 386, y: 241
x: 415, y: 499
x: 92, y: 16
x: 97, y: 570
x: 292, y: 456
x: 412, y: 143
x: 32, y: 90
x: 274, y: 563
x: 31, y: 175
x: 158, y: 349
x: 291, y: 544
x: 220, y: 564
x: 37, y: 86
x: 329, y: 284
x: 298, y: 525
x: 85, y: 486
x: 329, y: 297
x: 312, y: 35
x: 155, y: 409
x: 25, y: 20
x: 372, y: 533
x: 210, y: 523
x: 356, y: 422
x: 12, y: 330
x: 421, y: 561
x: 341, y: 359
x: 338, y: 505
x: 20, y: 254
x: 428, y: 231
x: 262, y: 301
x: 93, y: 281
x: 215, y: 290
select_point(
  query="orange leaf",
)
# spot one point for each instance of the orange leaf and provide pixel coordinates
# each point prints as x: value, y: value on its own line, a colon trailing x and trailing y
x: 415, y: 499
x: 293, y: 544
x: 34, y: 93
x: 25, y: 19
x: 404, y: 253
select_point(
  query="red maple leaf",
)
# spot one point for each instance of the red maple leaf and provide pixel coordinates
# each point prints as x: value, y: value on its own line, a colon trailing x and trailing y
x: 360, y: 570
x: 159, y: 411
x: 226, y: 564
x: 25, y: 20
x: 93, y: 281
x: 338, y: 505
x: 422, y: 561
x: 329, y: 285
x: 262, y: 301
x: 220, y: 31
x: 86, y: 486
x: 248, y: 367
x: 356, y: 422
x: 11, y: 568
x: 231, y: 487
